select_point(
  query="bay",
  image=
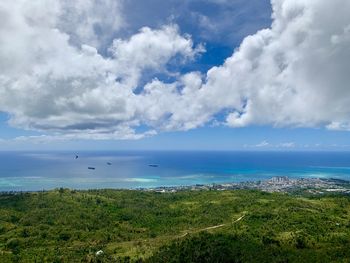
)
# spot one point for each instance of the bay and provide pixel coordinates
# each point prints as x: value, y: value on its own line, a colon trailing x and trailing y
x: 31, y: 171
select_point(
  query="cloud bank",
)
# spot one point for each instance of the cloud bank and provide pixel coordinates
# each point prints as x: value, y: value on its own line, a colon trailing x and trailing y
x: 65, y: 71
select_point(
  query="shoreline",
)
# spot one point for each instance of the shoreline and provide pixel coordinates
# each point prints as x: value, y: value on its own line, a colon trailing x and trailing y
x: 282, y: 184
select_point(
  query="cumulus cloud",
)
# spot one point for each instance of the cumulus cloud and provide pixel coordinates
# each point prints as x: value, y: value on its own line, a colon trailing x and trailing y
x: 55, y: 78
x: 292, y: 74
x: 93, y: 22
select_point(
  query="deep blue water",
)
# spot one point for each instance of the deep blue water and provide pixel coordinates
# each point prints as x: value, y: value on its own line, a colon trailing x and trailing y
x: 37, y: 171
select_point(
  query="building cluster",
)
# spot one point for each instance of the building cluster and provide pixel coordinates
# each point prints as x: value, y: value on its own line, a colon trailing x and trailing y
x: 275, y: 184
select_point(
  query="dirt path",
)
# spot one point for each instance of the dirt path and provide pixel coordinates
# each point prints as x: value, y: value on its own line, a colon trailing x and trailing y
x: 210, y: 227
x: 239, y: 219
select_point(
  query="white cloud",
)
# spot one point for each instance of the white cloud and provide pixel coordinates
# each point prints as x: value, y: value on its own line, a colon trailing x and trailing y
x: 262, y: 144
x: 287, y: 145
x: 92, y: 22
x: 54, y: 78
x: 123, y: 133
x: 339, y: 126
x: 293, y: 74
x: 265, y: 144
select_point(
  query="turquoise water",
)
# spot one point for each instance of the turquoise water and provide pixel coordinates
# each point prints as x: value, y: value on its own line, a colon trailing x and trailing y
x: 29, y: 171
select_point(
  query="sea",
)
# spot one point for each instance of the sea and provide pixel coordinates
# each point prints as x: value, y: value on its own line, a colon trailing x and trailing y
x: 33, y: 171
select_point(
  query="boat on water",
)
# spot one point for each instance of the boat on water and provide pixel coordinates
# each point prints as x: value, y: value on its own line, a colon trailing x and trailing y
x: 91, y: 168
x: 153, y: 165
x: 108, y: 163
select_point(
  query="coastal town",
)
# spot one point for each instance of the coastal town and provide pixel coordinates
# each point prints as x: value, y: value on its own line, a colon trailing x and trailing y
x: 275, y: 184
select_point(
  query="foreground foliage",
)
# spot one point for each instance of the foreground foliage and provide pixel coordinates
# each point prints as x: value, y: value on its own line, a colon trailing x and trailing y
x: 190, y: 226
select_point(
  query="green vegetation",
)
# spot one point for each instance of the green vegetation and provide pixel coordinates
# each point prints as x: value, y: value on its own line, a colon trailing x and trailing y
x: 189, y: 226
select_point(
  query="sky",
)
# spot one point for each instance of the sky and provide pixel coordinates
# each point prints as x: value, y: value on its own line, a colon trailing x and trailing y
x: 175, y: 75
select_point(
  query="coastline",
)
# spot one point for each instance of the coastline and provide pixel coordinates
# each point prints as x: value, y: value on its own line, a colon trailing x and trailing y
x: 283, y: 184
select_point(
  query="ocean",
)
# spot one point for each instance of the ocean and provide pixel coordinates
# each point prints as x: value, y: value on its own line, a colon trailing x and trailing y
x: 31, y: 171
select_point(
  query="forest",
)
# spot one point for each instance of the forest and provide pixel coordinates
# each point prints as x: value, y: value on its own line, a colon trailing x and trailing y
x: 66, y: 225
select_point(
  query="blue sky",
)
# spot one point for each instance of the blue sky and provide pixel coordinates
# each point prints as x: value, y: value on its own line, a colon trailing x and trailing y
x: 174, y: 75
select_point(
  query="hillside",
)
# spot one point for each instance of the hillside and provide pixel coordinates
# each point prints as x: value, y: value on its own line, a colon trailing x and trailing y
x: 188, y: 226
